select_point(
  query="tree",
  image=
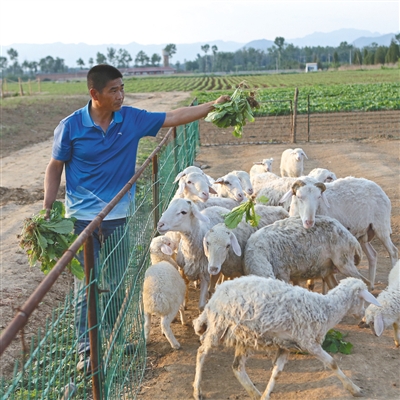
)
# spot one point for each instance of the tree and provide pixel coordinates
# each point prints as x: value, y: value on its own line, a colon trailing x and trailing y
x: 101, y: 58
x: 80, y: 62
x: 3, y: 62
x: 111, y: 55
x: 13, y: 54
x: 205, y: 48
x: 214, y: 49
x: 155, y: 59
x: 141, y: 58
x: 170, y: 49
x: 336, y: 59
x: 90, y: 62
x: 393, y: 53
x: 280, y: 43
x: 380, y: 55
x: 123, y: 58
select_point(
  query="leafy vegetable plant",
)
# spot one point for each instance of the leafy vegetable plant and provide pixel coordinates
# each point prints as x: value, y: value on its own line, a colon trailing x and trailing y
x: 235, y: 112
x: 45, y: 241
x: 334, y: 343
x: 233, y: 218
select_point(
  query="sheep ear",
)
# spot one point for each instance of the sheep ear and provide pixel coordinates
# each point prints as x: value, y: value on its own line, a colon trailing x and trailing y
x: 304, y: 154
x: 205, y: 247
x: 220, y: 181
x: 181, y: 187
x: 199, y: 215
x: 367, y: 296
x: 378, y: 324
x: 235, y: 245
x: 166, y: 250
x: 286, y: 196
x: 179, y: 176
x: 212, y: 190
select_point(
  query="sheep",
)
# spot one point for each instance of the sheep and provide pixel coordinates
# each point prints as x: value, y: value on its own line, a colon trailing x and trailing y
x: 359, y: 204
x: 276, y: 189
x: 269, y: 214
x: 285, y: 250
x: 194, y: 186
x: 292, y: 162
x: 258, y: 313
x: 226, y: 202
x: 260, y: 167
x: 259, y: 181
x: 323, y: 175
x: 229, y: 186
x: 244, y: 179
x: 183, y: 216
x: 388, y: 315
x: 163, y: 289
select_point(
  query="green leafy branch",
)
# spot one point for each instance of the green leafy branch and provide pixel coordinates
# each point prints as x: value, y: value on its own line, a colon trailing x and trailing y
x: 334, y: 343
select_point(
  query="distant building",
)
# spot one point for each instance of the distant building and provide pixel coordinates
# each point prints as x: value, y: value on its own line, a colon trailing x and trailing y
x: 310, y: 67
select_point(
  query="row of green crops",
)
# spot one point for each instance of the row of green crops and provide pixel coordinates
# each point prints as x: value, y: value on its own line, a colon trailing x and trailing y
x: 190, y: 83
x: 322, y: 98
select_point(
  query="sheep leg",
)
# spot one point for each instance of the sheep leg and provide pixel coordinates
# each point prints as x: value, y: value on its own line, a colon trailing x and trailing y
x: 370, y: 252
x: 183, y: 315
x: 204, y: 282
x: 214, y: 279
x: 281, y: 358
x: 147, y: 325
x: 187, y: 282
x: 200, y: 358
x: 310, y: 284
x: 396, y: 334
x: 326, y: 359
x: 166, y: 330
x: 390, y: 247
x: 331, y: 281
x: 239, y: 370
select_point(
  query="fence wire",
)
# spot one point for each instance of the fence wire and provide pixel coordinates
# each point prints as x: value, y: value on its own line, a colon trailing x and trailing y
x: 48, y: 369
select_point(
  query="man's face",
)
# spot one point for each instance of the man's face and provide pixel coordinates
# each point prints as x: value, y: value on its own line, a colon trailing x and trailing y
x: 112, y: 96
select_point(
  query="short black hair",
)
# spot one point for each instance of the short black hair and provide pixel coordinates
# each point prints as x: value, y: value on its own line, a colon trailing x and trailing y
x: 99, y: 76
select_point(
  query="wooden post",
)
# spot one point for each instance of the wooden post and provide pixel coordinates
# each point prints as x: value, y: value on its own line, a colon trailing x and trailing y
x: 156, y: 191
x: 30, y: 87
x: 38, y: 80
x: 21, y: 91
x: 308, y: 118
x: 296, y: 95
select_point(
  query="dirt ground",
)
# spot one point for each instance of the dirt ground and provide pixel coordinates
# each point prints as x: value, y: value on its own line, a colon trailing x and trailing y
x: 374, y: 364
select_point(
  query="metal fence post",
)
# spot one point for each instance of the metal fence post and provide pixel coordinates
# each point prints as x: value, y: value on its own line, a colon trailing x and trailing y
x: 156, y: 191
x: 296, y: 94
x: 91, y: 296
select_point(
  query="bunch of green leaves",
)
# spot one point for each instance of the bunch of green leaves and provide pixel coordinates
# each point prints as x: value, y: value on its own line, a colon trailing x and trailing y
x: 46, y: 240
x: 235, y: 112
x: 235, y: 216
x: 334, y: 343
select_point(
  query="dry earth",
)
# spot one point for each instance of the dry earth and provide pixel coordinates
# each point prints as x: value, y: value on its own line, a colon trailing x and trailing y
x: 374, y: 363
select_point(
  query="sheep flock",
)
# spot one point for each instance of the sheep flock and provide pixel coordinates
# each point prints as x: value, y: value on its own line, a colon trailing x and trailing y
x: 255, y: 284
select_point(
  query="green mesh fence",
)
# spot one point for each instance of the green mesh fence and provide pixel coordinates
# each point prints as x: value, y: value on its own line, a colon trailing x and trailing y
x: 48, y: 370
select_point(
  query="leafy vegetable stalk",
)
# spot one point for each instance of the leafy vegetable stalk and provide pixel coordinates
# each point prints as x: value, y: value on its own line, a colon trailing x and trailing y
x: 334, y: 343
x: 235, y: 112
x: 45, y: 241
x: 233, y: 218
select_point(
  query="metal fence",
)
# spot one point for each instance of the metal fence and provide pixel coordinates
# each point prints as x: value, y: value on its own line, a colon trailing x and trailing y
x: 285, y: 126
x: 47, y: 367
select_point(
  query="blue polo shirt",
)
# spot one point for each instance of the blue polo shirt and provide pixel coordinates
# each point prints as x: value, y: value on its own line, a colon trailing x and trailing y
x: 97, y: 164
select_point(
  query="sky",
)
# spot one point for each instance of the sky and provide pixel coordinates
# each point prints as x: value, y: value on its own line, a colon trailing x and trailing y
x: 186, y: 21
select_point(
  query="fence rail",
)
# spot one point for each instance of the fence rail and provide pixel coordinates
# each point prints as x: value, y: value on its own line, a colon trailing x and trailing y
x: 47, y: 367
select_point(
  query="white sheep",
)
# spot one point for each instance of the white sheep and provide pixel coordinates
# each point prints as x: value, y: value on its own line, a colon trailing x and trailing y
x: 229, y: 186
x: 212, y: 201
x: 259, y: 181
x: 359, y: 204
x: 183, y: 216
x: 260, y: 167
x: 388, y: 315
x: 194, y: 186
x: 163, y: 289
x: 322, y: 175
x: 286, y: 251
x: 251, y: 312
x: 244, y: 179
x: 292, y: 162
x: 275, y: 189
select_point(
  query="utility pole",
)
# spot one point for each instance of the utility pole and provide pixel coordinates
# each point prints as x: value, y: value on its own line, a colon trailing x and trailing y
x: 350, y: 57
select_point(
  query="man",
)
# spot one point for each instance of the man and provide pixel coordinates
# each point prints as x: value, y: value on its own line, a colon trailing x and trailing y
x: 97, y: 145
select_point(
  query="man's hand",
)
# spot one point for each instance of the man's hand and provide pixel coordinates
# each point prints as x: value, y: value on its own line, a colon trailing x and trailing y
x: 222, y: 99
x: 47, y: 215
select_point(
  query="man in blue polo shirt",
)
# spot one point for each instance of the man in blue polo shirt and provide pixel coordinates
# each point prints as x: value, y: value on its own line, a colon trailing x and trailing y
x: 97, y: 145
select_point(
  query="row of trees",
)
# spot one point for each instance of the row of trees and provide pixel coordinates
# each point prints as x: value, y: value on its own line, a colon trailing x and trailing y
x: 119, y: 58
x: 280, y: 56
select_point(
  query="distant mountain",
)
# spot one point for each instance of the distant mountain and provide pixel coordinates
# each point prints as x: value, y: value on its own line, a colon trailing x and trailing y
x: 72, y: 52
x: 262, y: 44
x: 383, y: 40
x: 333, y: 38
